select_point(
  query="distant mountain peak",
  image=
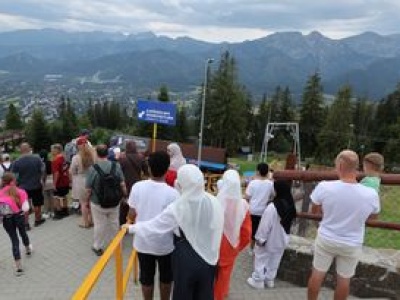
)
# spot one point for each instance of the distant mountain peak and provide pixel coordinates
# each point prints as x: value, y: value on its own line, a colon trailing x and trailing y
x: 145, y: 35
x: 316, y: 35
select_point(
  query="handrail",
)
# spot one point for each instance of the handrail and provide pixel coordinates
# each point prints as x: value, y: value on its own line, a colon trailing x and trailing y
x: 121, y: 278
x: 369, y: 223
x: 307, y: 176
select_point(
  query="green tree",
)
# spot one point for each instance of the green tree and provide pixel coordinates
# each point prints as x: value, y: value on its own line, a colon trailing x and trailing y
x: 282, y: 104
x: 114, y: 115
x: 163, y: 95
x: 84, y: 121
x: 13, y: 119
x: 286, y: 110
x: 37, y: 131
x: 392, y: 146
x: 338, y: 130
x: 311, y: 115
x: 68, y: 119
x: 226, y: 110
x: 181, y: 128
x: 387, y: 114
x: 164, y: 132
x: 261, y: 120
x: 363, y: 119
x: 275, y: 106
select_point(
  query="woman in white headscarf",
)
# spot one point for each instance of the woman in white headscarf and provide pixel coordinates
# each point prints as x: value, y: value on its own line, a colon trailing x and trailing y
x: 197, y: 219
x: 177, y: 161
x: 237, y: 230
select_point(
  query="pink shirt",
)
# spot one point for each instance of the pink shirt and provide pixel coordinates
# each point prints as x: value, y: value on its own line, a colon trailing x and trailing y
x: 4, y: 198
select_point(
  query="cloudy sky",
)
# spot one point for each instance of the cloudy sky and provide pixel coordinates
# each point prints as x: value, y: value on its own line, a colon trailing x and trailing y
x: 211, y: 20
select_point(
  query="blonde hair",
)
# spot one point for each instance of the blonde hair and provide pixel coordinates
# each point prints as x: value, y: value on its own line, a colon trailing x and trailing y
x: 375, y: 160
x: 87, y: 156
x: 350, y: 159
x: 8, y: 179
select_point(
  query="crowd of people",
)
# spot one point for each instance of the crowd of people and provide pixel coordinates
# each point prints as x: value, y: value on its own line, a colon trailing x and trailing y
x: 192, y: 237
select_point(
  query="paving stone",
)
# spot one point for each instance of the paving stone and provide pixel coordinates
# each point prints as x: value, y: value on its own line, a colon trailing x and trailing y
x: 62, y: 258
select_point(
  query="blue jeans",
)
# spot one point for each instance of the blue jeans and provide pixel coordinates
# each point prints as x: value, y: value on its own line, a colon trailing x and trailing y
x: 11, y: 224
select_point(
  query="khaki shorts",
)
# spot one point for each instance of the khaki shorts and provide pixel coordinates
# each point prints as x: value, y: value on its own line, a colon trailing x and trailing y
x: 346, y: 257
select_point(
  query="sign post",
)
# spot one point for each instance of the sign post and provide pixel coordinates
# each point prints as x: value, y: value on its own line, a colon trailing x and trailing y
x: 153, y: 148
x: 156, y: 112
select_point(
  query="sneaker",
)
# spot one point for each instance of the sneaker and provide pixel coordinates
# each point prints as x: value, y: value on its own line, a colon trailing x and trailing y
x: 269, y: 284
x: 58, y: 215
x: 29, y: 250
x: 39, y: 222
x: 65, y: 212
x: 98, y: 252
x: 255, y: 284
x: 45, y: 215
x: 27, y: 226
x: 19, y: 272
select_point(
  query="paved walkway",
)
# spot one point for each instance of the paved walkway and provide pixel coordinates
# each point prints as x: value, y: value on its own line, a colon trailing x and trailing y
x: 62, y: 258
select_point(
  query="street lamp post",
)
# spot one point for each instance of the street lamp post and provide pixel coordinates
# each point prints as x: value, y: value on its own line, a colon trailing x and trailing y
x: 350, y: 135
x: 203, y: 104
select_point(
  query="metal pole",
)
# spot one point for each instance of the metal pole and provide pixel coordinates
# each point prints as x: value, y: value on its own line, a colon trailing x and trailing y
x: 350, y: 135
x: 203, y: 104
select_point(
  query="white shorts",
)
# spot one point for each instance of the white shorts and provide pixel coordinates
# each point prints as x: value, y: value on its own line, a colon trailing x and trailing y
x: 346, y: 257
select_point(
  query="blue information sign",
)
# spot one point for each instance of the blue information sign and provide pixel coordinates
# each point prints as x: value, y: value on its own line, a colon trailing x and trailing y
x: 156, y: 112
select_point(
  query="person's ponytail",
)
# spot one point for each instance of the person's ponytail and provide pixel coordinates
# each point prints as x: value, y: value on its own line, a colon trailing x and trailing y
x: 8, y: 179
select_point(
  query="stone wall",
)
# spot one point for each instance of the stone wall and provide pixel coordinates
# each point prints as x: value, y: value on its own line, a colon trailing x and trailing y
x: 369, y: 281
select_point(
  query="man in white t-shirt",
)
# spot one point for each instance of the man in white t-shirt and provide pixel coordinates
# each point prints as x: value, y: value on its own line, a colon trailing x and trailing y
x: 259, y: 191
x: 345, y: 206
x: 147, y: 199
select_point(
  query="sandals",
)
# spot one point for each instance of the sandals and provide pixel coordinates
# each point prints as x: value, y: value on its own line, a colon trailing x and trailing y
x: 85, y: 226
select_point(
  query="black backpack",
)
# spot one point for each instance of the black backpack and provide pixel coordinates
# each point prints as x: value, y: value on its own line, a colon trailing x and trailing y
x: 109, y: 190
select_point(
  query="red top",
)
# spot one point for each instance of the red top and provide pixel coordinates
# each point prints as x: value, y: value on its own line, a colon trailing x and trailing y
x: 170, y: 177
x: 60, y: 171
x: 227, y: 253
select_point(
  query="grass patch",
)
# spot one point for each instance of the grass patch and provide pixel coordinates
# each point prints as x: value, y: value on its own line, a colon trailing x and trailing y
x: 390, y: 212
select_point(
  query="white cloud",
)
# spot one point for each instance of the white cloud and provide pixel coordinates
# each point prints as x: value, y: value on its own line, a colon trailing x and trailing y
x: 211, y: 20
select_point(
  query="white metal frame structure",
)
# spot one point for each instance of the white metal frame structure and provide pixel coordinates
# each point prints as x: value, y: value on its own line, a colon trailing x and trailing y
x: 293, y: 129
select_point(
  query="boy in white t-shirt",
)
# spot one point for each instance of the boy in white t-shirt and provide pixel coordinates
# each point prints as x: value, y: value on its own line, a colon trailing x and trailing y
x: 259, y: 191
x: 147, y: 199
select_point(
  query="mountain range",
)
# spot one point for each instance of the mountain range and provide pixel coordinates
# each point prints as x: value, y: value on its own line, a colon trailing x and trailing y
x: 369, y: 62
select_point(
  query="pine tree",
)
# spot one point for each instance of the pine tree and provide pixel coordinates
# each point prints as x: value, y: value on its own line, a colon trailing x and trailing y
x: 114, y: 116
x: 182, y: 128
x: 261, y: 122
x: 286, y: 110
x: 363, y: 119
x: 275, y: 106
x: 164, y: 132
x: 38, y: 132
x: 163, y: 94
x: 68, y: 119
x: 311, y: 115
x: 387, y: 115
x: 391, y: 151
x: 13, y: 119
x: 226, y: 110
x: 338, y: 131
